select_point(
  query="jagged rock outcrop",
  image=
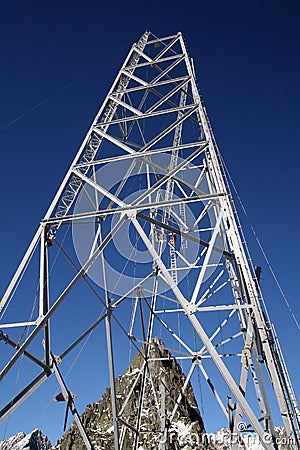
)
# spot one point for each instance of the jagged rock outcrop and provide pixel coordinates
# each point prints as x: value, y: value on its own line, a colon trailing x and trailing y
x: 156, y: 377
x: 31, y: 441
x: 163, y: 379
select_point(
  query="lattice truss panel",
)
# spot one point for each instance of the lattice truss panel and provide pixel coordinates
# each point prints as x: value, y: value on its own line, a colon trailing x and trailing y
x: 142, y: 241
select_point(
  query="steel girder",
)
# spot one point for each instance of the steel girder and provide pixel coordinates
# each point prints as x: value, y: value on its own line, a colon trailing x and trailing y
x: 146, y: 183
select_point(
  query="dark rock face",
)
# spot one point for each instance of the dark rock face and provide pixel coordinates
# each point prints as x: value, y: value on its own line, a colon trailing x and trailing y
x: 21, y: 441
x: 155, y: 377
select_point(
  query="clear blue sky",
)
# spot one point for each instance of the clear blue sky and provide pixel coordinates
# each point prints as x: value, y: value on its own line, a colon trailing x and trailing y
x: 64, y: 56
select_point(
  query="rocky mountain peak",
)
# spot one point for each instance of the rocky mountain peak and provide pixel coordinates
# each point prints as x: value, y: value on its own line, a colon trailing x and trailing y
x: 31, y: 441
x: 147, y: 394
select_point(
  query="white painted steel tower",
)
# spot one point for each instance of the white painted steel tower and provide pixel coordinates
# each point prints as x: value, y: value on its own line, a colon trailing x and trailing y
x: 142, y: 239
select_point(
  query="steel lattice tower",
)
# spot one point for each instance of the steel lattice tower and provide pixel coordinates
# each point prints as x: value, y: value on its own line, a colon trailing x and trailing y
x: 148, y: 208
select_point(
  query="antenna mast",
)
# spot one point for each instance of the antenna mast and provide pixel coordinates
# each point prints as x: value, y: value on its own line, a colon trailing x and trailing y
x: 146, y: 210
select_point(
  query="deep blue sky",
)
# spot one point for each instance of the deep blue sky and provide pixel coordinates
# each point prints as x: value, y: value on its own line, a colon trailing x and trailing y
x: 246, y: 57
